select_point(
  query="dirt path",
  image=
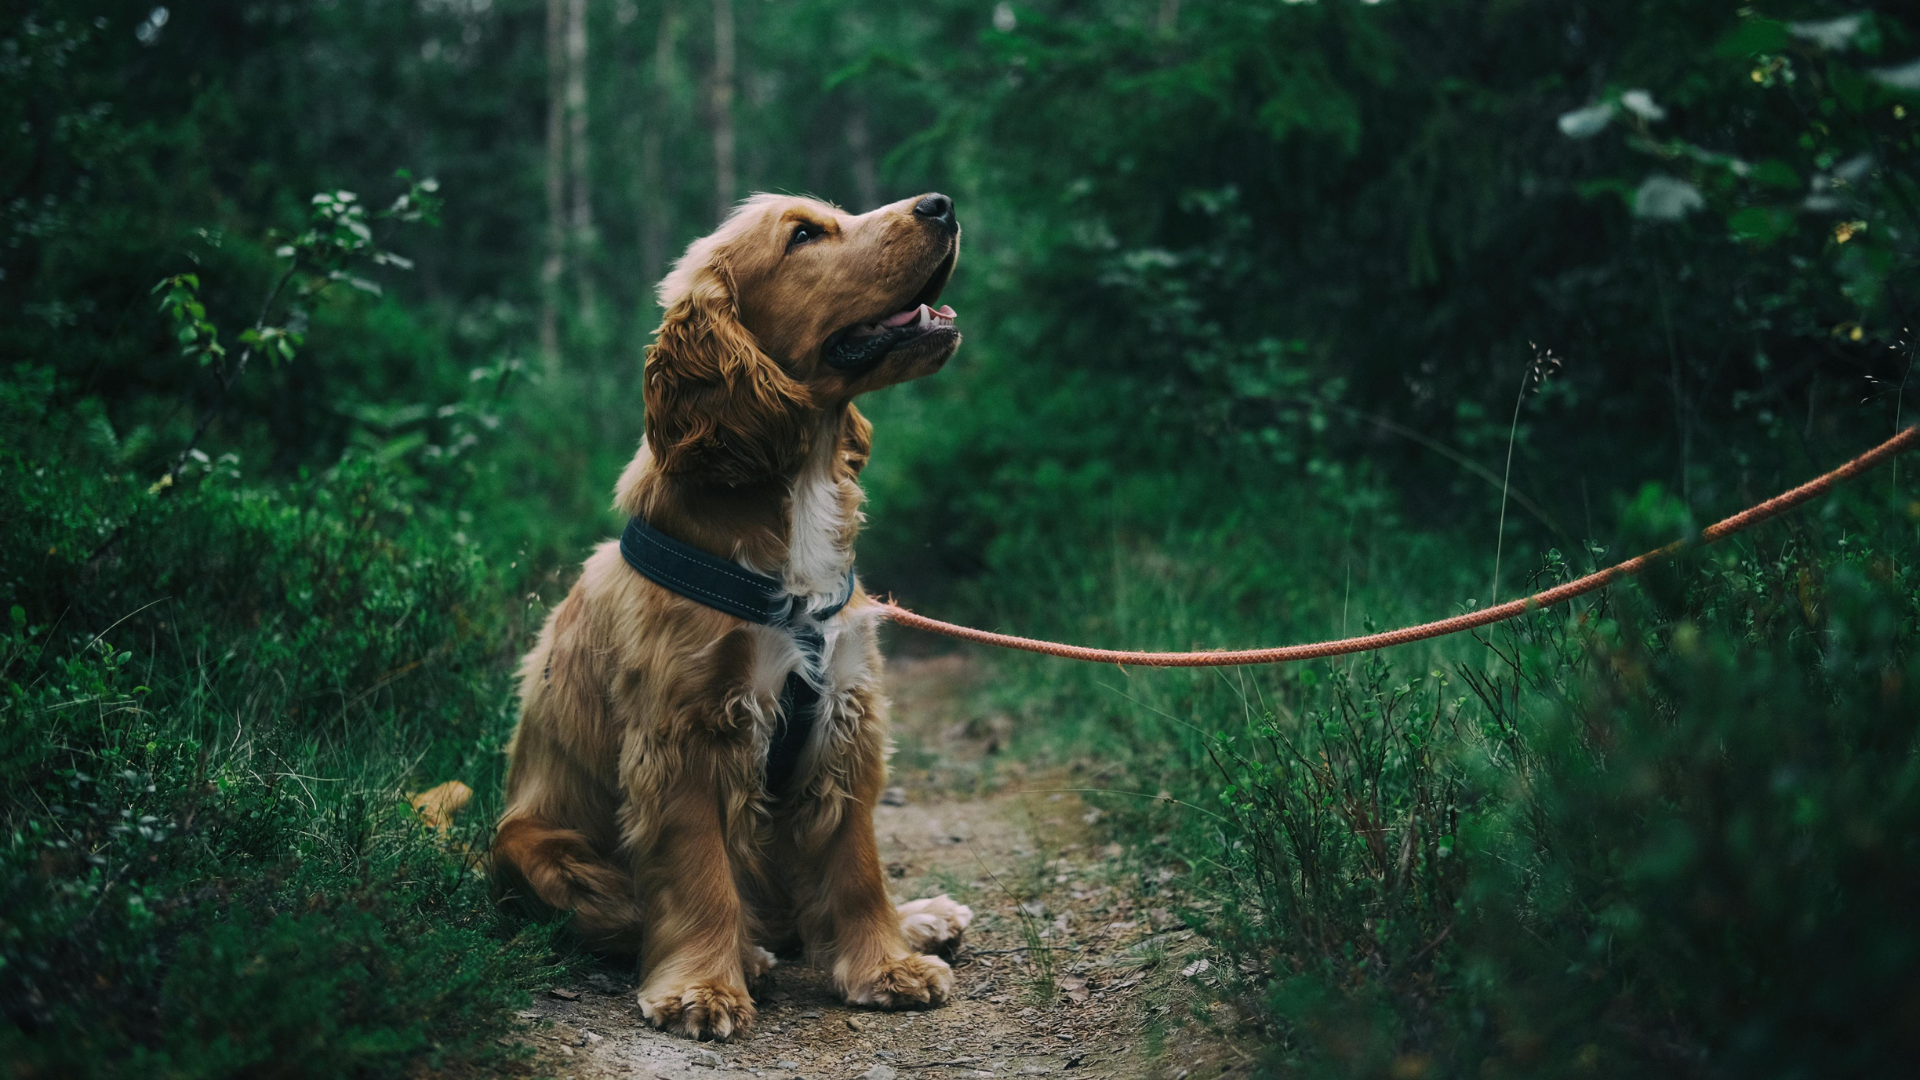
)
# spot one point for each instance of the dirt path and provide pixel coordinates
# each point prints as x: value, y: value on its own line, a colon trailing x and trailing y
x: 1068, y: 969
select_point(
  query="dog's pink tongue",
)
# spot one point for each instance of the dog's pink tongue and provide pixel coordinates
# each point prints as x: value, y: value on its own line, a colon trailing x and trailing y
x: 917, y: 314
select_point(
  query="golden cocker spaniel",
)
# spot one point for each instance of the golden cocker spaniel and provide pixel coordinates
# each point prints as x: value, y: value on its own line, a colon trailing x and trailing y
x: 691, y: 784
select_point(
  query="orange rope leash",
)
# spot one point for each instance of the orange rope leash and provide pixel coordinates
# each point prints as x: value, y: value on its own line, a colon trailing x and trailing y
x: 1900, y: 443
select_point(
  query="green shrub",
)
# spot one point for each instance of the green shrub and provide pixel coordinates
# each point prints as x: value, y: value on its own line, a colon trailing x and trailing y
x: 207, y: 866
x: 1669, y: 832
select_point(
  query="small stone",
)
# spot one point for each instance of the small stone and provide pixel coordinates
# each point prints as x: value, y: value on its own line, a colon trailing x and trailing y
x: 894, y: 796
x: 784, y: 1064
x: 853, y: 1024
x: 594, y: 1036
x: 811, y: 1014
x: 563, y: 993
x: 708, y: 1058
x: 879, y: 1072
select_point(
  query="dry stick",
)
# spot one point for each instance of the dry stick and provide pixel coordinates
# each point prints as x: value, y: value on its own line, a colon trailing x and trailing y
x: 1904, y: 441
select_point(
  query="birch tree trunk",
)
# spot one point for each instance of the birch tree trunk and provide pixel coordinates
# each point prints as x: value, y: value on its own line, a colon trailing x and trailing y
x: 555, y: 265
x: 581, y: 239
x: 655, y: 220
x: 722, y: 106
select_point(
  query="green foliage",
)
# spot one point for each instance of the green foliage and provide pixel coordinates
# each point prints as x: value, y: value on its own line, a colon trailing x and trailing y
x: 208, y: 727
x: 1666, y: 833
x: 1261, y: 225
x: 1715, y: 854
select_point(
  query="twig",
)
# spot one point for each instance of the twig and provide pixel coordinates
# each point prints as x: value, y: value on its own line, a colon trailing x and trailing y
x: 226, y: 384
x: 1457, y: 458
x: 1117, y: 791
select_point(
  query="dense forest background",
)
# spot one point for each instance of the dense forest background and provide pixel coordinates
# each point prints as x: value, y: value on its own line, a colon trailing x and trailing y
x: 323, y: 321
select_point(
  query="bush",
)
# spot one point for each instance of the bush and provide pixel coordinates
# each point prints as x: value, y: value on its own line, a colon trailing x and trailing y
x: 1667, y: 833
x: 208, y: 867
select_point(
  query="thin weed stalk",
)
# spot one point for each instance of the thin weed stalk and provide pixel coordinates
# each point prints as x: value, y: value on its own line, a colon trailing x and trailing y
x: 1533, y: 375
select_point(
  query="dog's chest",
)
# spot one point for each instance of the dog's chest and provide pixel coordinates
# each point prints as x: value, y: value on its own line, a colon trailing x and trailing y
x: 838, y: 668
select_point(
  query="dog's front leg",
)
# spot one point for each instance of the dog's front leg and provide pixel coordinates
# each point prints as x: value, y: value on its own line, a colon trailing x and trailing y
x: 692, y: 977
x: 841, y: 897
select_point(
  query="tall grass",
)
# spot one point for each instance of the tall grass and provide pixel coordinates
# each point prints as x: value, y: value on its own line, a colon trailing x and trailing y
x: 1596, y: 840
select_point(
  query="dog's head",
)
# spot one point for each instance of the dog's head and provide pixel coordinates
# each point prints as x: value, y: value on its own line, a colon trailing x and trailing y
x: 792, y: 307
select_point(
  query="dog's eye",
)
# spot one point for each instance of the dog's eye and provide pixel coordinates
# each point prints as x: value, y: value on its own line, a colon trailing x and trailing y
x: 804, y: 232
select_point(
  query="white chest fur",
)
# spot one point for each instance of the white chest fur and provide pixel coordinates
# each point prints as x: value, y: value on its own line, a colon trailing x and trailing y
x: 820, y: 537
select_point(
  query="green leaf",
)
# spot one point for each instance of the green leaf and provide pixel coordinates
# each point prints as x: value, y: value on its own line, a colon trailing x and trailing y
x: 1762, y: 224
x: 19, y: 615
x: 1755, y: 36
x: 1776, y: 173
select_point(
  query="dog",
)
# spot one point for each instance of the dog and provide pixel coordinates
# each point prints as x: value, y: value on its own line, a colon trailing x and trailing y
x: 656, y: 789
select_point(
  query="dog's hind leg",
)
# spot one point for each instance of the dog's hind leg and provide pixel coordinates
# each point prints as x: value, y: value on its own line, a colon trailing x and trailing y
x: 540, y: 865
x: 934, y: 925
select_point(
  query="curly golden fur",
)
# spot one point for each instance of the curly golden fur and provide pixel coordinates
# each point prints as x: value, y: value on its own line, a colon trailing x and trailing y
x: 636, y: 793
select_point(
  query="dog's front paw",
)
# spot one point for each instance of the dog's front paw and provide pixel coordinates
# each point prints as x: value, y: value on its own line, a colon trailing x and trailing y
x: 901, y: 982
x: 701, y: 1010
x: 934, y: 925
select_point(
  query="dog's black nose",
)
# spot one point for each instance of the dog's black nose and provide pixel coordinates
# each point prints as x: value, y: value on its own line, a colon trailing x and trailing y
x: 938, y: 209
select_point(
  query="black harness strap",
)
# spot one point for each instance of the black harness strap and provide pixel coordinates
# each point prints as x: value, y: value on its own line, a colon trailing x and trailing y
x: 732, y: 588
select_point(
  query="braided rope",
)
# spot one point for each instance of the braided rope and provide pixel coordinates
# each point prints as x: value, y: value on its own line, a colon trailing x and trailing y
x: 1559, y: 594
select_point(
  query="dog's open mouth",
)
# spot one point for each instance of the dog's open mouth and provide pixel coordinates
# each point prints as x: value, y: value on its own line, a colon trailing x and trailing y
x: 863, y: 345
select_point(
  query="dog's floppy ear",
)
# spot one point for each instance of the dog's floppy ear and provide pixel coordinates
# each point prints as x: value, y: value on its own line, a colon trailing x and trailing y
x: 718, y: 408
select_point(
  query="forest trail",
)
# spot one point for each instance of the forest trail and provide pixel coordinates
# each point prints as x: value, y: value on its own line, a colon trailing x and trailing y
x: 1068, y: 969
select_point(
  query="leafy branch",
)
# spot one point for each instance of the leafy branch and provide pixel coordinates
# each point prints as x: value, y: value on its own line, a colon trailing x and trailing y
x: 337, y: 238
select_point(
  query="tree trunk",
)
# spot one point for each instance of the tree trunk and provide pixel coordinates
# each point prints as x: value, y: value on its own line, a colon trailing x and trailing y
x: 722, y: 106
x: 581, y: 240
x: 555, y: 265
x: 866, y: 184
x: 656, y: 223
